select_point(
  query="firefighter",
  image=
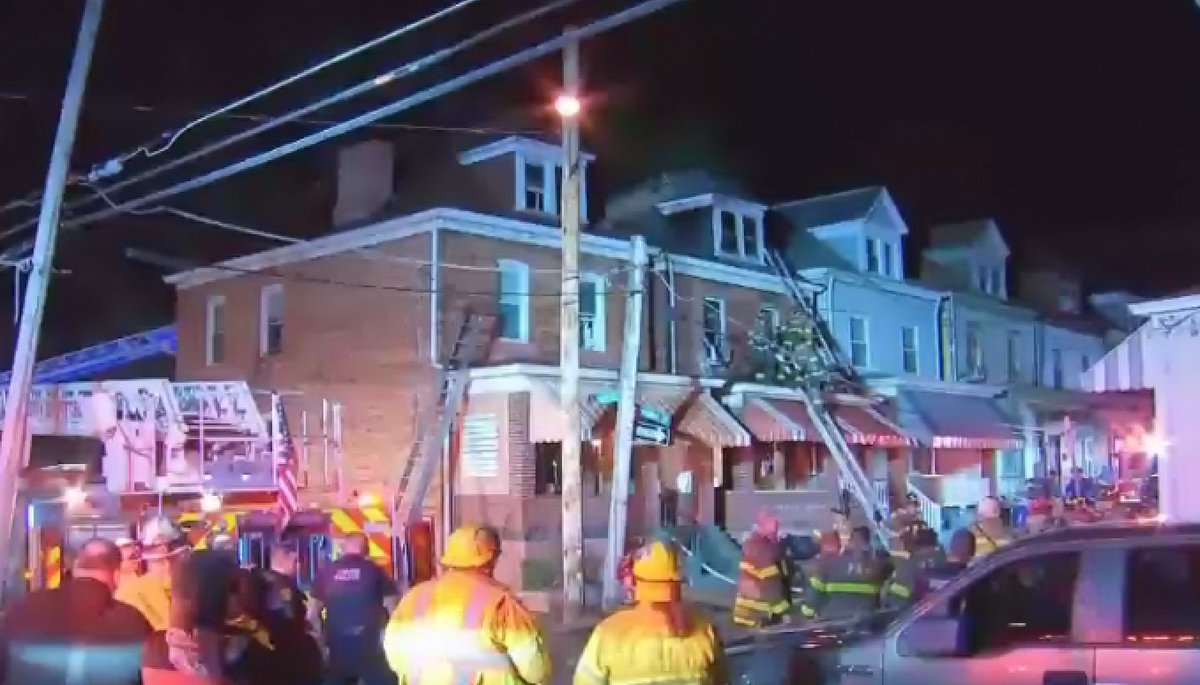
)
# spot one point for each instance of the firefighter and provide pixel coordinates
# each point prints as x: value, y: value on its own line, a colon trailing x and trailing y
x: 762, y: 586
x: 958, y: 556
x: 465, y: 626
x: 846, y: 585
x: 903, y: 526
x: 910, y: 580
x: 164, y: 547
x: 990, y: 532
x: 659, y: 639
x: 131, y: 560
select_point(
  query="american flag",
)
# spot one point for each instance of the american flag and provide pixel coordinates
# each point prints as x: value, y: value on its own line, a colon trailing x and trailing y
x: 287, y: 459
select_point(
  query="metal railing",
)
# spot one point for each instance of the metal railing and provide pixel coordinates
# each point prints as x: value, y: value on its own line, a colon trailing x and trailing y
x: 931, y: 511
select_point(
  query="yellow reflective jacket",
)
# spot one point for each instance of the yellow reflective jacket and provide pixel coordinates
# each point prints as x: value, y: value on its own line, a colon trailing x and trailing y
x: 465, y: 627
x: 989, y: 537
x: 637, y: 646
x: 149, y: 594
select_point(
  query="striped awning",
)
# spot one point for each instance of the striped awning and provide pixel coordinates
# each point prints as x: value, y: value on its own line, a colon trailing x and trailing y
x: 1123, y: 368
x: 696, y: 413
x: 772, y: 419
x: 951, y: 421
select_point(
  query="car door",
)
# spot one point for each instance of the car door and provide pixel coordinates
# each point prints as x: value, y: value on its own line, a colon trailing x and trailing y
x: 1156, y: 630
x: 1018, y: 623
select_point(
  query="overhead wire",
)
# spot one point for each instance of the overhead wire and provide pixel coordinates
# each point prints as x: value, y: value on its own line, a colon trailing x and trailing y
x: 379, y: 81
x: 522, y: 57
x: 116, y: 163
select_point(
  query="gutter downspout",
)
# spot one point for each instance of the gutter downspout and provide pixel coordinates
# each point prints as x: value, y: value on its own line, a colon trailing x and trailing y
x: 672, y: 333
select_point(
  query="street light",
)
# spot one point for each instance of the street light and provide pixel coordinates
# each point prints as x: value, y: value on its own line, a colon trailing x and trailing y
x: 568, y: 106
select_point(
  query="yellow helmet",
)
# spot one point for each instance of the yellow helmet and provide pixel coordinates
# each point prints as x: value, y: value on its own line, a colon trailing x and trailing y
x: 471, y: 547
x: 657, y: 562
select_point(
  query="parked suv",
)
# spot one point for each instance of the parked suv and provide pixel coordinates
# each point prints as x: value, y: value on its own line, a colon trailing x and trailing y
x: 1106, y: 603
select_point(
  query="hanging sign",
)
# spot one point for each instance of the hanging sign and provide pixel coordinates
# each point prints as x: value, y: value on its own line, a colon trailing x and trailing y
x: 651, y: 426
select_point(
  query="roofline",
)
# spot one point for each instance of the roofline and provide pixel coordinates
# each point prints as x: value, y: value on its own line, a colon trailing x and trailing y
x: 886, y: 284
x: 825, y: 196
x: 519, y: 144
x: 1166, y: 305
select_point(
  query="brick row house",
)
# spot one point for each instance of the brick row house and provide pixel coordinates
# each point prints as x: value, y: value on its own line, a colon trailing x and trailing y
x: 366, y: 313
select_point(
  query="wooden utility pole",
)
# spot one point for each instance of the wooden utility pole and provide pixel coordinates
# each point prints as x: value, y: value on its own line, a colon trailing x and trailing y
x: 626, y: 406
x: 572, y: 471
x: 14, y: 440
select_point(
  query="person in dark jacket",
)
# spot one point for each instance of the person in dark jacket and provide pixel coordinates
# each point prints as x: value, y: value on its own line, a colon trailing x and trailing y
x: 76, y: 633
x: 847, y: 585
x: 910, y: 579
x: 298, y: 654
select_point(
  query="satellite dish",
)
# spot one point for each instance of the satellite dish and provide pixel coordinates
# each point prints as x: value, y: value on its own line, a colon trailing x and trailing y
x: 103, y: 413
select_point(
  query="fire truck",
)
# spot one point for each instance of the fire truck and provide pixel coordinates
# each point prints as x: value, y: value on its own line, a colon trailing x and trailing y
x: 202, y: 453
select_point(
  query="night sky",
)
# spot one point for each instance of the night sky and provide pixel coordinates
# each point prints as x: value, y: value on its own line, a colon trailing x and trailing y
x: 1075, y: 124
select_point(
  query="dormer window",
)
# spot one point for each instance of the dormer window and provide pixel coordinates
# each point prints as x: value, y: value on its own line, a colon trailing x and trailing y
x: 536, y: 172
x: 990, y: 280
x: 739, y: 235
x: 535, y: 188
x: 880, y: 257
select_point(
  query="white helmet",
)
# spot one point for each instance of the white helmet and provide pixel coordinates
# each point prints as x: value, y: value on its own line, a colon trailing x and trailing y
x: 161, y: 538
x: 989, y: 508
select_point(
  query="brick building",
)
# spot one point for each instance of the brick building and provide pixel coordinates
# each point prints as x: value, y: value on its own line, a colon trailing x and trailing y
x: 365, y: 313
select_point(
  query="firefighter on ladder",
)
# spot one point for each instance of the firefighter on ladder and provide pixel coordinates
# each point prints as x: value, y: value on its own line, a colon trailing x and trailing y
x: 465, y: 626
x: 659, y: 639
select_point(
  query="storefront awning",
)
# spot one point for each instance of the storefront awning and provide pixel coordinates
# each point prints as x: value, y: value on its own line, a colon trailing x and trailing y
x: 1123, y: 368
x: 949, y: 421
x: 696, y: 414
x: 773, y: 419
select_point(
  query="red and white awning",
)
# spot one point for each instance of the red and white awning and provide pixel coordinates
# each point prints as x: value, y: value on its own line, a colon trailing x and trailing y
x: 772, y: 419
x: 1123, y: 368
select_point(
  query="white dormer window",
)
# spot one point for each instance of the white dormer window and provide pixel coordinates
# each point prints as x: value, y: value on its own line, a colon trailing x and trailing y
x: 990, y: 279
x: 738, y: 235
x: 880, y: 257
x: 536, y: 197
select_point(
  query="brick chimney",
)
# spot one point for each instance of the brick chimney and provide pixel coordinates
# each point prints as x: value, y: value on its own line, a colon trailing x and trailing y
x: 365, y: 174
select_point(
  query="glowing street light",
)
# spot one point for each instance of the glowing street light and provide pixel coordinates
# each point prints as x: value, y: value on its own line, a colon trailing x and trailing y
x: 568, y: 106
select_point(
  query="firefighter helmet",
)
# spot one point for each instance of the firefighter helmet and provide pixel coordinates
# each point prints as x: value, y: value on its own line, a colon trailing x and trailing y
x: 471, y: 547
x: 161, y: 538
x: 657, y: 562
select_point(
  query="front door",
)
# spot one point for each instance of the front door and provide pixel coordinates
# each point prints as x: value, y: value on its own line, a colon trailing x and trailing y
x: 1019, y: 627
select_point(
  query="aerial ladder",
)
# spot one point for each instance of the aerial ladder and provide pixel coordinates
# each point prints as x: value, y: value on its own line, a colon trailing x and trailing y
x: 94, y: 359
x: 841, y: 375
x: 436, y: 419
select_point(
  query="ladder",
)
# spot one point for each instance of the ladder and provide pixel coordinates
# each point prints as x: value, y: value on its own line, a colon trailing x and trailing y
x: 106, y: 355
x: 854, y: 477
x: 436, y: 419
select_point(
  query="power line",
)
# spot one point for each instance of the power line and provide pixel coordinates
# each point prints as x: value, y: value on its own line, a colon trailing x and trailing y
x: 597, y: 27
x: 379, y: 81
x: 116, y: 164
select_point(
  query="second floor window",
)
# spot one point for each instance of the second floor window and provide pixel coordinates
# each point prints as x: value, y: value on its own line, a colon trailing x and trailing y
x: 975, y: 365
x: 214, y: 330
x: 860, y: 348
x: 270, y: 320
x: 592, y: 328
x: 713, y: 321
x: 1013, y: 349
x: 768, y: 323
x: 1056, y: 368
x: 908, y: 349
x: 513, y: 300
x: 739, y: 235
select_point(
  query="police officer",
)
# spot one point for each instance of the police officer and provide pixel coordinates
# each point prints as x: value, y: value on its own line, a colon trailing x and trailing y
x: 910, y: 580
x: 356, y: 595
x: 846, y: 585
x: 299, y: 661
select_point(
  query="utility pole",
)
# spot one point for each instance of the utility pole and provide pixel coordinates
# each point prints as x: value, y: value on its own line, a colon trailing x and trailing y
x: 618, y: 506
x: 14, y: 440
x: 572, y: 471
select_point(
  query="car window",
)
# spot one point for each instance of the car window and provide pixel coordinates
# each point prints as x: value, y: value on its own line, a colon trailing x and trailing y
x: 1028, y: 601
x: 1162, y: 595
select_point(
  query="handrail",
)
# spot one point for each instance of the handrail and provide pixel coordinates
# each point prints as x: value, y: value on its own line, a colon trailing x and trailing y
x: 931, y: 512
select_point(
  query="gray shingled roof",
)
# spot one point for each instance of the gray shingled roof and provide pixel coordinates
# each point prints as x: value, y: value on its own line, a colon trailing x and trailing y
x: 832, y: 209
x: 961, y: 234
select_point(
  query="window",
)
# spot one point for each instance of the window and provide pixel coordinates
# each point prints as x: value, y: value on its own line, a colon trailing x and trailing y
x: 538, y: 185
x: 873, y: 256
x: 713, y: 318
x: 1056, y: 368
x: 1025, y: 602
x: 214, y: 330
x: 981, y: 279
x: 768, y: 323
x: 547, y: 468
x: 513, y: 300
x: 1162, y: 595
x: 1085, y: 363
x: 859, y: 348
x: 908, y: 349
x: 995, y: 282
x: 1013, y: 350
x: 270, y: 320
x: 535, y: 188
x: 738, y: 235
x: 887, y: 260
x: 975, y: 367
x: 592, y: 329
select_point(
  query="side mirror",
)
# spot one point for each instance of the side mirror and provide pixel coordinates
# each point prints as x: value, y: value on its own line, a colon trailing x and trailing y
x: 931, y: 636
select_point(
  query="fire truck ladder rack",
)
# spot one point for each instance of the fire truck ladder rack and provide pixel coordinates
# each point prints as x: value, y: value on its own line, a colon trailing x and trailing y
x: 436, y: 419
x: 853, y: 476
x: 114, y: 353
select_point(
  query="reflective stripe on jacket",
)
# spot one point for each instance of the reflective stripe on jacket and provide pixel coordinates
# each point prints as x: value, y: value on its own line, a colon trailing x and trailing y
x: 910, y: 580
x: 465, y: 628
x: 989, y: 538
x: 842, y: 586
x: 637, y: 646
x: 761, y: 590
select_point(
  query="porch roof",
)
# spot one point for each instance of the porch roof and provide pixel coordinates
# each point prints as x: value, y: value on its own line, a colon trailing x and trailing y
x: 695, y: 413
x: 776, y: 419
x: 1123, y: 368
x: 950, y: 421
